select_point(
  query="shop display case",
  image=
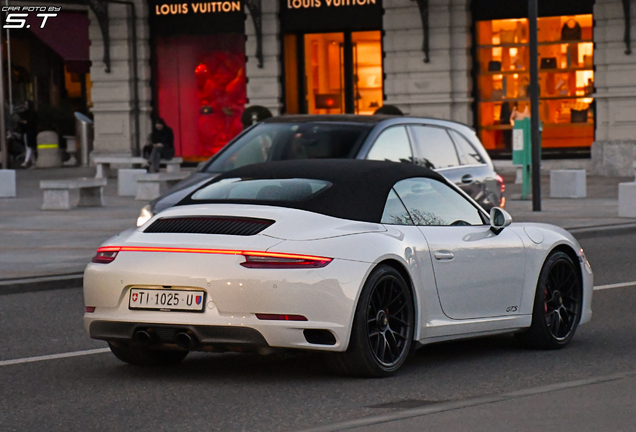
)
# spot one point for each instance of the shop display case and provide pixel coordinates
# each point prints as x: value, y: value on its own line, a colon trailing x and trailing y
x: 566, y: 80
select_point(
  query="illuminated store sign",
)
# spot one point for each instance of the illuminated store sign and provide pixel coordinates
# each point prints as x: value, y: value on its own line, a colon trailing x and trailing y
x: 304, y: 4
x: 197, y: 17
x: 330, y: 15
x: 205, y: 7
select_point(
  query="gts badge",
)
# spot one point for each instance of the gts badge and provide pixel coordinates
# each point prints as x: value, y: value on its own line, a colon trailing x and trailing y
x: 511, y: 309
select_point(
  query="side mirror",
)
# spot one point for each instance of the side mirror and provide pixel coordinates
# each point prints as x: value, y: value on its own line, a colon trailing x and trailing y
x: 499, y: 219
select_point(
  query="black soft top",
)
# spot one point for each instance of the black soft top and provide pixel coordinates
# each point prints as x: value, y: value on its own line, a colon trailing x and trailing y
x: 359, y: 188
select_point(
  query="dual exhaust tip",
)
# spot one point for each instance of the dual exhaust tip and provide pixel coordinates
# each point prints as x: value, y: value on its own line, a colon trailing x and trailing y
x: 182, y: 339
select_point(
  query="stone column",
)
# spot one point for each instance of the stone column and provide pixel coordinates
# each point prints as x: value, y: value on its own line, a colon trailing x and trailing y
x: 264, y: 84
x: 112, y: 92
x: 614, y: 150
x: 442, y: 87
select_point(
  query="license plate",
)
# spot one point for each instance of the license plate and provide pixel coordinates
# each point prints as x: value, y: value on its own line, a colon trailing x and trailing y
x: 166, y: 300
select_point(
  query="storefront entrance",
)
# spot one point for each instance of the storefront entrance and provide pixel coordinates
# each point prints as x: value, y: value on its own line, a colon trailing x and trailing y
x: 332, y: 57
x: 199, y: 78
x: 340, y: 72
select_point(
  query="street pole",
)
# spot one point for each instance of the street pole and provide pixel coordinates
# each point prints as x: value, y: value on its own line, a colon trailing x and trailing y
x: 534, y: 106
x: 3, y: 130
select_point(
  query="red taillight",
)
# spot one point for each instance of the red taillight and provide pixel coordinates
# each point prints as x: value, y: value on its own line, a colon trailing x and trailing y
x: 276, y: 260
x: 502, y: 184
x: 89, y: 309
x: 254, y: 259
x: 106, y: 254
x: 279, y: 317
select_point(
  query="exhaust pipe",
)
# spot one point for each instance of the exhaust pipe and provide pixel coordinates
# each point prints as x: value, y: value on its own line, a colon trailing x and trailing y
x: 184, y: 340
x: 142, y: 338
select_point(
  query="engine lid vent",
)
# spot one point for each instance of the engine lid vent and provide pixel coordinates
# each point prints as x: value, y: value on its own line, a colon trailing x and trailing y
x: 227, y: 225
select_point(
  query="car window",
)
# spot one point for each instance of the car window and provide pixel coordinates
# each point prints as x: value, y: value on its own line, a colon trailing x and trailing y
x: 392, y: 145
x: 467, y: 153
x: 434, y: 147
x: 295, y: 189
x: 286, y: 141
x: 394, y: 211
x: 431, y: 202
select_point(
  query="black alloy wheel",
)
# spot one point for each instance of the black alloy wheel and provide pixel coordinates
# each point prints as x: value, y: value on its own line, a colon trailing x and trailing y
x: 383, y: 326
x: 558, y: 304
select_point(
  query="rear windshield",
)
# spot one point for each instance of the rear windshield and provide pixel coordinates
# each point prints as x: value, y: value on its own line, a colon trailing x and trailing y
x: 290, y: 141
x: 231, y: 189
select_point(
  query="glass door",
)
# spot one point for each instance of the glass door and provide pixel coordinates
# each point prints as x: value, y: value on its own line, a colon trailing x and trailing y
x: 333, y: 73
x: 367, y: 69
x: 324, y: 75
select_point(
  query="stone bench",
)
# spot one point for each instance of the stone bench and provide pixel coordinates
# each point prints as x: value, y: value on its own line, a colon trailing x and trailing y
x: 568, y: 184
x: 57, y: 193
x: 103, y: 164
x: 151, y: 186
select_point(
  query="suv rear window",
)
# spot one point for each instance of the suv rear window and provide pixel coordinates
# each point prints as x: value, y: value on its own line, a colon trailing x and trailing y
x: 296, y: 189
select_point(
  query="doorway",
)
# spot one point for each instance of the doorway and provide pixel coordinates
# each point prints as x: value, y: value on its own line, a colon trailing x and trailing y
x: 333, y: 73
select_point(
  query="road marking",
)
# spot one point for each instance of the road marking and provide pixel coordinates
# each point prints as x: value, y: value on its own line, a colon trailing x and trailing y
x: 616, y: 285
x: 53, y: 356
x: 461, y: 404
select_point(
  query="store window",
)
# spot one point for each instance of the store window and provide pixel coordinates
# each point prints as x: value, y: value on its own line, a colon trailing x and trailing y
x: 341, y: 73
x: 566, y: 81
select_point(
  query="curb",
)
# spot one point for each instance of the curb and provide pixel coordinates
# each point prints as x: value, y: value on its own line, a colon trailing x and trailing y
x: 41, y: 283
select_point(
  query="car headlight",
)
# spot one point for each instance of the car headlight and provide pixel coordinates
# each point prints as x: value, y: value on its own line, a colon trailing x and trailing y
x: 145, y: 215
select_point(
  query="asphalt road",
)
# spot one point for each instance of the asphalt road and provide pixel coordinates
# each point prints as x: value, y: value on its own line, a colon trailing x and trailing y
x: 240, y: 392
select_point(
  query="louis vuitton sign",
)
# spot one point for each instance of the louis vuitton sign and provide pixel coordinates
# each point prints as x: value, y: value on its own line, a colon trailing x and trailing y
x: 197, y: 17
x: 330, y: 15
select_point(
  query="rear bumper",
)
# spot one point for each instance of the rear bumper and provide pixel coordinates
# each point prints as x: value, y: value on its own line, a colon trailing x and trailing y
x: 222, y: 337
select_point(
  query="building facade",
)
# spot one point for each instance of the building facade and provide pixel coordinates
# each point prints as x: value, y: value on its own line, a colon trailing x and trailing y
x: 200, y: 64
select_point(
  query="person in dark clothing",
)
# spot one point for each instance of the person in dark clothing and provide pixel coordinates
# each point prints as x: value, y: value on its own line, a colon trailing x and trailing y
x: 161, y: 145
x: 29, y: 127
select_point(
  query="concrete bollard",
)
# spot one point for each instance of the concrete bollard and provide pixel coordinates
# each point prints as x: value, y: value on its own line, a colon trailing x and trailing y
x: 7, y: 183
x: 127, y: 181
x: 568, y: 184
x: 627, y: 200
x: 48, y: 150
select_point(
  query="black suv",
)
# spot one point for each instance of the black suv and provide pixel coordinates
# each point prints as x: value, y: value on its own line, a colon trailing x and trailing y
x: 448, y: 147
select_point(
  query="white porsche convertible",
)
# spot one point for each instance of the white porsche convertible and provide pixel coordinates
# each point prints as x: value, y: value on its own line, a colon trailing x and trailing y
x: 363, y: 259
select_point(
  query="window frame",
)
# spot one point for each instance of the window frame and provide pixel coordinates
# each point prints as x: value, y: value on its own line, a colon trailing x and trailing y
x: 417, y: 149
x: 379, y: 134
x: 470, y: 144
x: 485, y: 217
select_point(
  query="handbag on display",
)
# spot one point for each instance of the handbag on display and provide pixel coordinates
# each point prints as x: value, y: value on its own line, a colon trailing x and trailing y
x: 571, y: 30
x: 549, y: 63
x: 494, y: 66
x: 578, y: 116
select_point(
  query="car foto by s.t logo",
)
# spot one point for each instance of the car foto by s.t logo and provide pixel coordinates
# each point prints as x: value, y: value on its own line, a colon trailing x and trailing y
x: 17, y: 15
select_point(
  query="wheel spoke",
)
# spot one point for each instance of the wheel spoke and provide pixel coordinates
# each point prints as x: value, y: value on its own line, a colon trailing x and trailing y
x: 401, y: 321
x: 382, y: 348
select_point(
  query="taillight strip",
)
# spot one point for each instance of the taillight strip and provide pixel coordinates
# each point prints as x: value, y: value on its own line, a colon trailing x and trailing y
x: 210, y: 251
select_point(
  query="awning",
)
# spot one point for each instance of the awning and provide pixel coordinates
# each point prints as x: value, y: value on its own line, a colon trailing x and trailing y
x: 67, y: 35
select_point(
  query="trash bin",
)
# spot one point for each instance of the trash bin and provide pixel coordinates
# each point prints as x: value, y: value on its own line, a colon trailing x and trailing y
x: 84, y: 136
x: 48, y: 150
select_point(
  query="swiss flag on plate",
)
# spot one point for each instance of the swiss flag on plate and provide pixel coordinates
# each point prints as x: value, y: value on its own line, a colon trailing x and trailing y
x: 134, y: 297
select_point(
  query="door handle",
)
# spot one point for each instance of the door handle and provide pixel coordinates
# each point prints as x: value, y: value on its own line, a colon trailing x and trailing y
x: 444, y: 255
x: 467, y: 179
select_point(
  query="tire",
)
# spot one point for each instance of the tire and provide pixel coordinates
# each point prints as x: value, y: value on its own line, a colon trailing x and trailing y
x: 557, y: 307
x: 141, y: 356
x: 384, y: 318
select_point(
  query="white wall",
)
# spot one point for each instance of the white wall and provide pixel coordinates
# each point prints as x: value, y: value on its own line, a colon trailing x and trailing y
x: 442, y: 87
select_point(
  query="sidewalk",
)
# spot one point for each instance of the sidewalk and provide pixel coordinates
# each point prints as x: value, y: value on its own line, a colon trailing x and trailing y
x: 35, y: 243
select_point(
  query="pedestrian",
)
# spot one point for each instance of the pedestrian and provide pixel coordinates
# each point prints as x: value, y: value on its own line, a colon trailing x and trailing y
x: 29, y: 126
x: 161, y: 145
